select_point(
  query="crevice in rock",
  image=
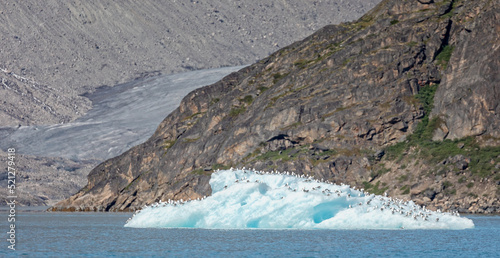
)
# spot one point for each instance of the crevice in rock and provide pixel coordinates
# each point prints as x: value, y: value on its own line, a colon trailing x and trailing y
x: 111, y: 204
x: 450, y: 8
x: 278, y: 137
x: 446, y: 39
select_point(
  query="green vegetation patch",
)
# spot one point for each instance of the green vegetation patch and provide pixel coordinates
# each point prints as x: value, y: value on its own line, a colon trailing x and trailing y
x: 274, y: 99
x: 346, y: 61
x: 168, y: 144
x: 294, y: 125
x: 278, y: 76
x: 248, y: 99
x: 283, y: 155
x: 447, y: 184
x: 214, y: 101
x: 237, y: 111
x: 262, y: 89
x: 193, y: 116
x: 374, y: 189
x: 191, y: 140
x: 302, y: 63
x: 452, y: 10
x: 329, y: 51
x: 134, y: 181
x: 131, y: 183
x: 84, y: 190
x: 287, y: 91
x: 382, y: 170
x: 403, y: 178
x: 443, y: 58
x: 405, y: 189
x: 422, y: 132
x: 412, y: 43
x: 482, y: 159
x: 220, y: 167
x: 473, y: 195
x: 364, y: 22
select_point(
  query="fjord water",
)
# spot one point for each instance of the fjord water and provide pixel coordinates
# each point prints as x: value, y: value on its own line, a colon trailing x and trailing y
x: 42, y: 234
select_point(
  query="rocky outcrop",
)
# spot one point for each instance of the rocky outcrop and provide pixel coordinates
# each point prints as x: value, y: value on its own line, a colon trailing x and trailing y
x: 446, y: 185
x: 67, y: 48
x: 468, y: 98
x: 341, y: 105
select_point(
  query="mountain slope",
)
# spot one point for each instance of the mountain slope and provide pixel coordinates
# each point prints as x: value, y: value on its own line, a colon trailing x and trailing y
x: 54, y: 51
x: 351, y: 103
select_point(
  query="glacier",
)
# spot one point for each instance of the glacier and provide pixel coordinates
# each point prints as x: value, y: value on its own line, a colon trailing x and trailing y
x: 122, y: 116
x: 243, y: 199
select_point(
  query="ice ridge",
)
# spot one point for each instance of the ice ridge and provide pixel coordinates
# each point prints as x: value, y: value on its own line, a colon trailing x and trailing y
x: 244, y: 199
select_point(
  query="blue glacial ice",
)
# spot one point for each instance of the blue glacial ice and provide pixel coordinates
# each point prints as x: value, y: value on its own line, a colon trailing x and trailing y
x: 252, y: 199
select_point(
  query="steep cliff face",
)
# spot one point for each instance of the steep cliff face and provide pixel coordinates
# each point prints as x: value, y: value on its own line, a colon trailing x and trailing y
x: 468, y: 99
x: 341, y: 105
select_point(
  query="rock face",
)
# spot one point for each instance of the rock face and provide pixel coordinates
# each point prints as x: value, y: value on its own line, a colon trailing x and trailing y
x: 335, y: 106
x: 54, y: 51
x: 469, y: 97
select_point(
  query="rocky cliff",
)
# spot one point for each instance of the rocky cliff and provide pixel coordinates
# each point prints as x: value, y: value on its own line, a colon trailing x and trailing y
x: 403, y: 101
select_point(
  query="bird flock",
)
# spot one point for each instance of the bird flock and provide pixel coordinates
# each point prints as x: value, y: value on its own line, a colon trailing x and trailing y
x: 356, y: 199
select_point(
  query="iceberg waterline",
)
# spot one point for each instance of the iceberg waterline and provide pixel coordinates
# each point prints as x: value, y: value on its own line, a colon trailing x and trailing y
x: 252, y: 199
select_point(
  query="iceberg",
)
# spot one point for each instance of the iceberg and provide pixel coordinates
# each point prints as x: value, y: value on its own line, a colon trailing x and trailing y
x: 243, y: 199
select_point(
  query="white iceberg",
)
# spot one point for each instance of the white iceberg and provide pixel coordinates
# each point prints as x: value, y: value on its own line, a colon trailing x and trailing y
x: 244, y: 199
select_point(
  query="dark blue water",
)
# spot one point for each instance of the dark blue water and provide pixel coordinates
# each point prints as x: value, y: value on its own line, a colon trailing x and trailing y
x: 42, y: 234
